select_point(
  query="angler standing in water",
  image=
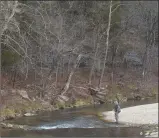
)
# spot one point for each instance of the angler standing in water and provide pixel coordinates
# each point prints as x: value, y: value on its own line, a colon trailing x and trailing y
x: 117, y: 110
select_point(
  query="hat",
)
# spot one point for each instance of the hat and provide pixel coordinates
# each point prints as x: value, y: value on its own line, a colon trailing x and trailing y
x: 115, y: 102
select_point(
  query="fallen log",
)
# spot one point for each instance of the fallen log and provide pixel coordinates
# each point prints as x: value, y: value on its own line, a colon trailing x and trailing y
x: 97, y: 94
x: 101, y: 93
x: 96, y: 99
x: 100, y: 97
x: 93, y: 91
x: 64, y: 98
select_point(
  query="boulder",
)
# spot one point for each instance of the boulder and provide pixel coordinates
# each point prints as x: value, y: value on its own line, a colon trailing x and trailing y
x: 29, y: 114
x: 22, y: 93
x: 14, y: 126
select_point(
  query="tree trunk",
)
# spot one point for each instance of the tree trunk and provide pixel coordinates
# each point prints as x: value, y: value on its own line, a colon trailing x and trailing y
x: 107, y: 45
x: 67, y: 85
x: 95, y: 55
x: 14, y: 77
x: 57, y: 69
x: 112, y: 73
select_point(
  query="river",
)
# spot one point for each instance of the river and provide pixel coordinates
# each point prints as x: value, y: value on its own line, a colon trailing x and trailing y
x: 76, y: 122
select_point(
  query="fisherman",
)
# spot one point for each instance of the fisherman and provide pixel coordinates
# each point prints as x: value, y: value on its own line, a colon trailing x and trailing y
x: 117, y: 110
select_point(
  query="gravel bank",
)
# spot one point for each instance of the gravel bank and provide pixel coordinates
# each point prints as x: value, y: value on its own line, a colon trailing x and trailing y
x: 143, y: 114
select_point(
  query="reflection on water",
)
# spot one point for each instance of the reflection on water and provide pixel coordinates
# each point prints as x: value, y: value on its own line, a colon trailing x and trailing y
x: 75, y: 122
x: 89, y: 121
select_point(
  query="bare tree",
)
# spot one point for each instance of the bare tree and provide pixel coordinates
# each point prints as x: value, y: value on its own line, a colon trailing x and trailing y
x: 150, y: 20
x: 96, y: 45
x: 48, y: 36
x: 107, y: 44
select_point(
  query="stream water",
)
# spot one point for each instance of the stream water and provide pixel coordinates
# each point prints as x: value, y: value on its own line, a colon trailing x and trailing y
x: 77, y: 122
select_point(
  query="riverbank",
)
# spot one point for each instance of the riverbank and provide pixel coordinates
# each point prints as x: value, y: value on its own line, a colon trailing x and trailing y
x: 17, y: 106
x: 22, y: 107
x: 143, y: 114
x: 81, y: 117
x: 29, y: 108
x: 26, y: 98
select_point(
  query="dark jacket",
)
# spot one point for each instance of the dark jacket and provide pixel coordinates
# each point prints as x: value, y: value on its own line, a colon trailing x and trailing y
x: 117, y: 108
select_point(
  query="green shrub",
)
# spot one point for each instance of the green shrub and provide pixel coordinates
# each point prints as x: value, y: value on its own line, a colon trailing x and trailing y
x: 8, y: 58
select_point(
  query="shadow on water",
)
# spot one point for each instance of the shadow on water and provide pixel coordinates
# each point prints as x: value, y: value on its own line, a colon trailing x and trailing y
x: 77, y: 122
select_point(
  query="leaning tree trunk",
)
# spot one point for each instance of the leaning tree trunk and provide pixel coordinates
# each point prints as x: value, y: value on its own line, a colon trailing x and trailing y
x: 67, y: 85
x: 107, y: 44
